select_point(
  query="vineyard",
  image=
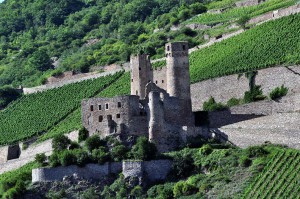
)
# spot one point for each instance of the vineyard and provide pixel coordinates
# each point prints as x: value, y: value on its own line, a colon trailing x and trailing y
x: 273, y: 43
x: 279, y: 179
x: 73, y: 121
x: 235, y: 13
x: 35, y: 114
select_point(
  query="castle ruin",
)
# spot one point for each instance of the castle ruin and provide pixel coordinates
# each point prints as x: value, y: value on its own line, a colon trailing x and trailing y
x: 159, y: 106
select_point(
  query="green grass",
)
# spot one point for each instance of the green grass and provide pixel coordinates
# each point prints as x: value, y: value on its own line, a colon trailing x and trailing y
x: 236, y: 13
x: 272, y: 43
x: 73, y: 121
x: 35, y: 114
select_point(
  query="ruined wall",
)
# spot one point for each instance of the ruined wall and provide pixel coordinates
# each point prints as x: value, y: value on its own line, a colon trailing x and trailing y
x: 90, y: 171
x: 154, y: 170
x: 109, y: 115
x: 224, y: 88
x: 160, y: 78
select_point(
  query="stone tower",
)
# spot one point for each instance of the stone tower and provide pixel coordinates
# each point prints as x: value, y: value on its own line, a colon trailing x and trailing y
x: 178, y: 74
x: 140, y: 74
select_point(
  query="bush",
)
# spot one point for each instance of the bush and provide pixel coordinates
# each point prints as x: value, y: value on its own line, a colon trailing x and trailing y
x: 100, y: 155
x: 233, y: 102
x: 205, y: 149
x: 82, y: 157
x: 93, y: 142
x: 136, y: 192
x: 41, y: 158
x: 244, y: 161
x: 67, y: 158
x: 254, y: 94
x: 60, y: 143
x: 182, y: 188
x: 256, y: 151
x: 242, y: 21
x: 83, y: 134
x: 278, y: 92
x: 143, y: 149
x: 164, y: 191
x: 211, y: 105
x: 118, y: 153
x: 183, y: 165
x: 74, y: 145
x: 54, y: 159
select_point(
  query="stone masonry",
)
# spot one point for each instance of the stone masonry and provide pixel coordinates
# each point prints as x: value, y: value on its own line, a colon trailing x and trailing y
x: 159, y: 106
x: 152, y: 171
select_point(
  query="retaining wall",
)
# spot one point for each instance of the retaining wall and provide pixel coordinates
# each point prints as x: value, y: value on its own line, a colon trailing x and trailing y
x: 152, y: 170
x: 62, y: 83
x: 26, y: 155
x: 234, y: 86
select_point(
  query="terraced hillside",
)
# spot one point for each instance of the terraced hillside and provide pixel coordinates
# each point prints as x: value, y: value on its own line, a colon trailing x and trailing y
x: 279, y: 179
x: 272, y: 43
x: 236, y: 12
x: 73, y: 121
x: 36, y: 113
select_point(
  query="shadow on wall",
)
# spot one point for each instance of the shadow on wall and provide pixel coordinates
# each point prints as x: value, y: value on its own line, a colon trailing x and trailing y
x: 217, y: 119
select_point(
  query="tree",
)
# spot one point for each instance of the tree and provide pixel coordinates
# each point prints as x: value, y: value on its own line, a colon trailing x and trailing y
x: 143, y: 149
x: 60, y: 142
x: 40, y: 60
x: 242, y: 21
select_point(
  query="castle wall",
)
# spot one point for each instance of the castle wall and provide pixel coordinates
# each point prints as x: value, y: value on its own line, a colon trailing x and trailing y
x: 155, y: 170
x: 160, y: 78
x: 110, y: 115
x: 234, y: 86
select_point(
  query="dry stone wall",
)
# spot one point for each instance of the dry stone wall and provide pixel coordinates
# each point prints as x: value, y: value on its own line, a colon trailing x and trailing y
x: 62, y: 83
x: 153, y: 170
x: 26, y: 155
x: 234, y: 86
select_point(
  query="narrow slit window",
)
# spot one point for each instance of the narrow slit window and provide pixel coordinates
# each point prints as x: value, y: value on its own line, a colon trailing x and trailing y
x: 91, y: 108
x: 100, y: 108
x: 168, y: 48
x: 183, y: 47
x: 119, y: 104
x: 118, y: 116
x: 131, y: 80
x: 155, y: 82
x: 100, y: 118
x: 162, y: 81
x: 106, y: 106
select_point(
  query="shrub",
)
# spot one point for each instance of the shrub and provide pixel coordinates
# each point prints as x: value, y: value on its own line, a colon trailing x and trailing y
x: 244, y: 161
x: 256, y: 151
x: 118, y: 153
x: 82, y: 157
x: 100, y: 155
x: 182, y: 188
x: 161, y: 191
x: 254, y: 94
x: 74, y: 145
x: 40, y: 158
x: 67, y: 158
x: 83, y: 134
x: 90, y: 193
x: 93, y: 142
x: 212, y: 105
x: 205, y: 149
x: 183, y: 165
x: 242, y: 21
x: 136, y: 192
x: 233, y: 102
x: 54, y: 159
x: 278, y: 92
x: 143, y: 149
x: 60, y: 143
